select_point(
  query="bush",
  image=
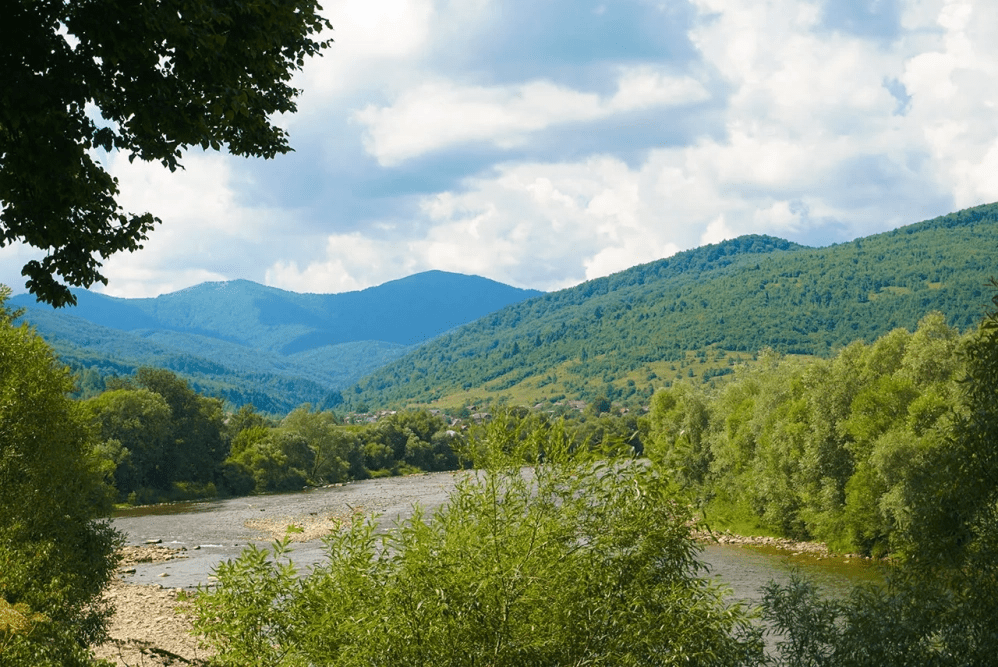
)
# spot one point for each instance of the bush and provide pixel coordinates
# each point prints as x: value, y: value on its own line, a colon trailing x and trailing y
x: 573, y: 561
x: 57, y: 550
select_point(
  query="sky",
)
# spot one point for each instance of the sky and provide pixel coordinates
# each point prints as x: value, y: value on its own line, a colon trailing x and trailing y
x: 542, y: 143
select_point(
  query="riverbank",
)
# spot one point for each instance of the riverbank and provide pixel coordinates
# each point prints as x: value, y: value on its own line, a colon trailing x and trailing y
x: 791, y: 547
x: 150, y: 626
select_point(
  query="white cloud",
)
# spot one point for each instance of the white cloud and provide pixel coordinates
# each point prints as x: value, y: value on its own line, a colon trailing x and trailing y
x: 12, y: 258
x: 954, y: 90
x: 535, y: 225
x: 372, y: 40
x: 716, y: 232
x: 206, y: 233
x: 813, y: 139
x: 440, y: 113
x: 351, y: 262
x: 803, y: 140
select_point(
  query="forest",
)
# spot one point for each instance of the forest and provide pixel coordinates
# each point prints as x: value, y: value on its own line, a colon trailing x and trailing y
x: 818, y: 449
x: 729, y: 299
x: 249, y: 343
x: 398, y: 345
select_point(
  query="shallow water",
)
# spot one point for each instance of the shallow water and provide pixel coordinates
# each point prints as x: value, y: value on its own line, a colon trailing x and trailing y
x: 217, y: 530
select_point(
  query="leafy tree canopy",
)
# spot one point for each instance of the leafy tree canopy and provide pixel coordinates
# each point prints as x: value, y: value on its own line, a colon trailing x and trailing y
x: 163, y: 76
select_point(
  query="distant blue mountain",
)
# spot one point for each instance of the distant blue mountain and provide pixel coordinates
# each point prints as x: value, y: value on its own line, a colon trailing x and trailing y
x: 218, y: 333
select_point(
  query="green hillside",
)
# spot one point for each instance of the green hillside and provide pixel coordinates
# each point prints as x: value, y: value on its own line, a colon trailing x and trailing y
x: 272, y: 382
x: 245, y: 342
x: 616, y: 335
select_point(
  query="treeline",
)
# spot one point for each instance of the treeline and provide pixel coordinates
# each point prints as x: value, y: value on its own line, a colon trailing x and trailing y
x: 310, y: 447
x: 825, y: 449
x: 160, y: 440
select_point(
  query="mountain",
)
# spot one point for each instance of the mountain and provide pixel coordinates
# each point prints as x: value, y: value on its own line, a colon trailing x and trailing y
x: 625, y: 334
x: 248, y: 342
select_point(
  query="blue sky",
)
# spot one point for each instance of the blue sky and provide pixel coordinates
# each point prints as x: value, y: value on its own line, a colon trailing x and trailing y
x: 543, y: 143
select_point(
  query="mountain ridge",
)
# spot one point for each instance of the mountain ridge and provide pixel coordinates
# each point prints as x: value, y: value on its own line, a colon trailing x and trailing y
x: 218, y: 330
x: 620, y: 336
x: 739, y: 295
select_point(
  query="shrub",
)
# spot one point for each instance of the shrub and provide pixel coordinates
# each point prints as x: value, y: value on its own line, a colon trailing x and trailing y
x: 573, y: 561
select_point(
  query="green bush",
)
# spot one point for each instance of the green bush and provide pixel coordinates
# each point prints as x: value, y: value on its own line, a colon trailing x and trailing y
x: 573, y: 561
x: 916, y: 620
x: 57, y: 549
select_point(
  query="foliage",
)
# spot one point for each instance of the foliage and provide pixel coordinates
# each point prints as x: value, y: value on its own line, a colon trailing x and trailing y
x: 942, y: 598
x: 161, y: 438
x: 198, y: 443
x: 918, y: 619
x: 311, y: 447
x: 574, y: 561
x: 955, y: 487
x: 57, y: 550
x: 818, y: 449
x: 163, y: 76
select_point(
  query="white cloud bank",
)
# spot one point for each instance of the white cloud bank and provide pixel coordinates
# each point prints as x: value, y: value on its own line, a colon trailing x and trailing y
x: 439, y: 114
x: 206, y: 234
x: 821, y: 134
x: 816, y: 143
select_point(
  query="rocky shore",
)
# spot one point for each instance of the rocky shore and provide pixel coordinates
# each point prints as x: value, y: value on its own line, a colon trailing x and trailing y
x: 792, y: 547
x: 150, y: 627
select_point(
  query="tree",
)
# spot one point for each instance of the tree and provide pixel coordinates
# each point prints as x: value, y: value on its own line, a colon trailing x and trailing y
x: 197, y: 444
x: 329, y: 460
x: 135, y: 427
x: 57, y: 549
x: 164, y: 76
x: 244, y: 418
x: 942, y: 595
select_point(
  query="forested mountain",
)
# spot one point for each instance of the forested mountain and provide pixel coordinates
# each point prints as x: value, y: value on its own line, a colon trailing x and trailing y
x: 740, y: 295
x: 250, y: 343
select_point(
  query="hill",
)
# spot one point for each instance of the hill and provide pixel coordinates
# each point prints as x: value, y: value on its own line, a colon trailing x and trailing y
x: 250, y: 343
x: 625, y: 334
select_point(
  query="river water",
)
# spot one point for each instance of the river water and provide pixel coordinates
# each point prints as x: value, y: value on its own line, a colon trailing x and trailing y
x: 218, y: 530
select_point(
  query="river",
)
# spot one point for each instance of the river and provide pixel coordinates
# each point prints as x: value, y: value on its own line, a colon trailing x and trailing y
x: 217, y: 530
